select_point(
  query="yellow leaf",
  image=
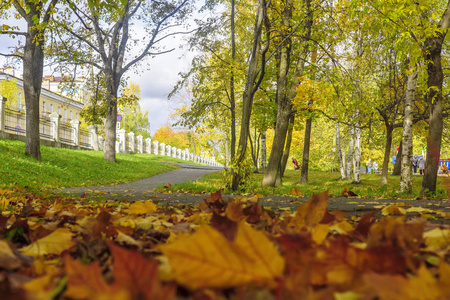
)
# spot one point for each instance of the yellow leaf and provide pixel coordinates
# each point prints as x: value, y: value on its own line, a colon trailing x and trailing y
x: 393, y: 210
x: 54, y: 243
x: 39, y: 288
x: 437, y: 238
x: 312, y: 212
x: 207, y: 259
x: 141, y: 208
x: 320, y: 233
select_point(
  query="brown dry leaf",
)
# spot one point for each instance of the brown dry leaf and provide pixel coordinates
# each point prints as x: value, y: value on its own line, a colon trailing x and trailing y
x: 393, y: 210
x: 138, y: 275
x: 54, y: 243
x: 87, y: 282
x: 422, y: 286
x: 235, y: 212
x: 142, y: 208
x: 312, y: 212
x: 295, y: 192
x: 8, y: 260
x: 208, y: 260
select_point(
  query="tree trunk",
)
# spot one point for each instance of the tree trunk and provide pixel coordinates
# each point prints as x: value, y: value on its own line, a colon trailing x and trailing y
x: 387, y: 152
x: 350, y: 154
x: 287, y: 148
x: 273, y: 173
x: 306, y: 146
x: 227, y: 157
x: 343, y: 158
x: 339, y: 152
x: 249, y: 92
x: 434, y: 98
x: 263, y: 151
x: 407, y: 146
x: 112, y: 85
x: 398, y: 163
x: 232, y: 97
x: 356, y: 167
x: 33, y: 66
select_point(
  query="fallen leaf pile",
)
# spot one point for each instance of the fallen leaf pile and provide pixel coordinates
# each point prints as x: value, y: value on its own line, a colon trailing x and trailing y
x: 234, y: 249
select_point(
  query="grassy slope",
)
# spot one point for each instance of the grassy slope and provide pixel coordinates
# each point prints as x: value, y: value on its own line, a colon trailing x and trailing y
x: 69, y: 168
x: 318, y: 182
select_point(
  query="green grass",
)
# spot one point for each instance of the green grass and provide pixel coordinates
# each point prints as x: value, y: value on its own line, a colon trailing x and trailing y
x: 370, y: 186
x: 70, y: 168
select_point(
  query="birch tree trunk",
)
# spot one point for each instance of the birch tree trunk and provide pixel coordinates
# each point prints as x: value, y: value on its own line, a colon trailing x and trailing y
x: 339, y: 152
x: 263, y: 151
x: 350, y: 154
x: 407, y: 146
x: 357, y: 177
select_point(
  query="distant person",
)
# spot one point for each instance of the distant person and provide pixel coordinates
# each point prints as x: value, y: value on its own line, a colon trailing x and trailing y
x: 375, y: 167
x: 415, y: 161
x: 369, y: 166
x: 295, y: 162
x: 421, y: 165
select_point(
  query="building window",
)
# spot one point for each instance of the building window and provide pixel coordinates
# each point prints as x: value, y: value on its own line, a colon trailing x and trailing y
x: 71, y: 115
x: 65, y: 115
x: 51, y: 108
x: 43, y: 107
x: 59, y: 110
x: 76, y: 116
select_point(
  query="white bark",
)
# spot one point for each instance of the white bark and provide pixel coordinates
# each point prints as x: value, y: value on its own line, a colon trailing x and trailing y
x: 350, y: 154
x: 357, y: 160
x: 407, y: 145
x: 341, y: 156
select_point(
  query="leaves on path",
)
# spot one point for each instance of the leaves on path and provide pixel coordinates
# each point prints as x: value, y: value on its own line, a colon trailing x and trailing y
x: 220, y: 249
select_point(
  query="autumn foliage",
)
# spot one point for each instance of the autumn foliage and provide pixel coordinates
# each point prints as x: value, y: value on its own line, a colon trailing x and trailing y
x: 234, y: 249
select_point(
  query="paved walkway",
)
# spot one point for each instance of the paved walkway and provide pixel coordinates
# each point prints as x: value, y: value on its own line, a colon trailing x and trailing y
x: 143, y: 190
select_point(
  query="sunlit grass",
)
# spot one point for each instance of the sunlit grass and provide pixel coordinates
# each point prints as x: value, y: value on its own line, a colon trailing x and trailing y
x: 370, y: 185
x: 69, y: 168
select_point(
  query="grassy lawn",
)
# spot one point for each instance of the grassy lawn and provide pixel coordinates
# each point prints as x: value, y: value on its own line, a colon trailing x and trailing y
x: 318, y: 182
x: 70, y: 168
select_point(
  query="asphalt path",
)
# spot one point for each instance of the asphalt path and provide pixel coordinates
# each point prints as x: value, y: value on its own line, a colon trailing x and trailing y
x: 144, y: 190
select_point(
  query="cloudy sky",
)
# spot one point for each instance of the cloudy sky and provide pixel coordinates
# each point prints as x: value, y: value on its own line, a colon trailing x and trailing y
x: 156, y: 80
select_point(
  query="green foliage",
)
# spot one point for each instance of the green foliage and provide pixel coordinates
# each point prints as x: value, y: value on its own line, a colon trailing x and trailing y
x: 9, y: 90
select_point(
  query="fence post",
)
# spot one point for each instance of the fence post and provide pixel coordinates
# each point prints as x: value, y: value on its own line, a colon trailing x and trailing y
x: 179, y: 153
x: 174, y: 152
x: 76, y: 132
x: 183, y: 155
x: 2, y: 113
x: 168, y: 149
x: 101, y: 142
x: 155, y: 147
x: 148, y: 145
x: 54, y: 117
x: 140, y: 140
x: 121, y: 135
x: 93, y: 137
x: 162, y: 149
x: 131, y: 142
